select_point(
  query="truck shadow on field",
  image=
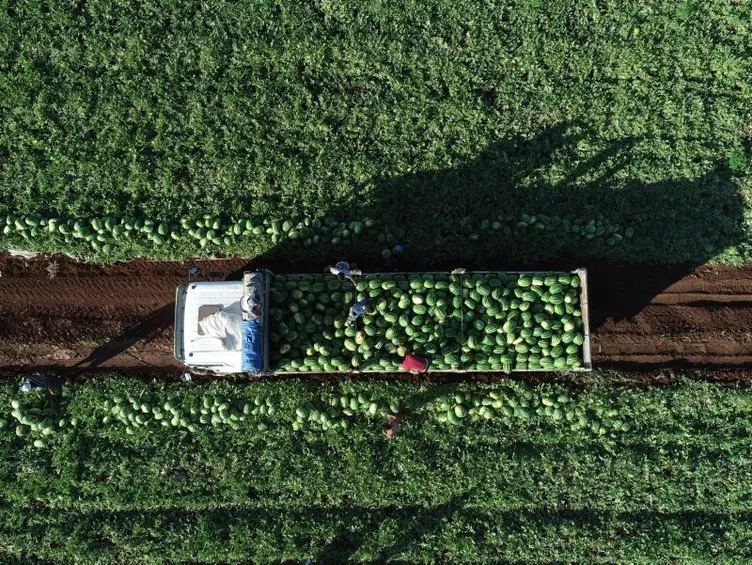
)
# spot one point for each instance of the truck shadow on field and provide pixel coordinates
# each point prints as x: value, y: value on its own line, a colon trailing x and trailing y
x: 654, y: 233
x: 156, y: 323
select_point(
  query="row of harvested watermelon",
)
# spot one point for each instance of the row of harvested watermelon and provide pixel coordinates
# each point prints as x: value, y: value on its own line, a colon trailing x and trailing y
x: 454, y: 408
x: 598, y: 227
x: 486, y: 322
x: 102, y: 234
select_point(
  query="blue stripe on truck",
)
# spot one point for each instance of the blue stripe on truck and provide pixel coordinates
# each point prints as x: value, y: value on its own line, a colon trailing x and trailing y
x: 252, y: 341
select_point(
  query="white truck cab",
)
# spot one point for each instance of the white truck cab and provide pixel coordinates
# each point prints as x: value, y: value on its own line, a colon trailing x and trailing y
x: 212, y: 330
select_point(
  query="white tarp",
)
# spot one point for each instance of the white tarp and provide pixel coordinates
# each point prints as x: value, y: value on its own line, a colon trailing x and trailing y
x: 225, y: 326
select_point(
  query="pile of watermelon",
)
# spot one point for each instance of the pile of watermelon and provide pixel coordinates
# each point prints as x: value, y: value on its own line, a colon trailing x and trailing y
x: 476, y: 321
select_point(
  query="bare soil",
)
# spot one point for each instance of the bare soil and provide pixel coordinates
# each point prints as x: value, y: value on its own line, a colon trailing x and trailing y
x: 702, y: 319
x: 58, y: 314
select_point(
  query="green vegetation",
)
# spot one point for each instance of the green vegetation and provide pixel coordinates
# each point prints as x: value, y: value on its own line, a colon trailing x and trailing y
x: 434, y: 116
x: 473, y: 321
x: 672, y: 482
x: 521, y: 130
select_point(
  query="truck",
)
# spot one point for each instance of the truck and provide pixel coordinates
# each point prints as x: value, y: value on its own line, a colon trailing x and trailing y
x: 460, y: 321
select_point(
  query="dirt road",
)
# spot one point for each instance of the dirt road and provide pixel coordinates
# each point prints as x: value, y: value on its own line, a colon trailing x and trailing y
x: 57, y: 313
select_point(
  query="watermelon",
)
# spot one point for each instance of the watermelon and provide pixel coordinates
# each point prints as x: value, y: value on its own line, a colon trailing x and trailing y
x: 505, y: 322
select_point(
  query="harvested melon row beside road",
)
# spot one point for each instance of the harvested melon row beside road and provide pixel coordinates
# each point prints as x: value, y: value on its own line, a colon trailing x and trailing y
x: 106, y: 233
x: 484, y: 322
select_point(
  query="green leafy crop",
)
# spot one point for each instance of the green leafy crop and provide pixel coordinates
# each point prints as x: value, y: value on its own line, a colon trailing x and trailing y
x: 428, y: 117
x: 655, y: 473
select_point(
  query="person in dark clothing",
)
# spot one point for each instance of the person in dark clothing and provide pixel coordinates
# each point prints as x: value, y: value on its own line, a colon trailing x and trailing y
x: 40, y: 383
x: 391, y: 427
x: 392, y: 256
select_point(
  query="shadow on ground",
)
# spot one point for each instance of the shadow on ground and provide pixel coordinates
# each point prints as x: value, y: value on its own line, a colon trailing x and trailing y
x: 147, y: 329
x: 655, y: 233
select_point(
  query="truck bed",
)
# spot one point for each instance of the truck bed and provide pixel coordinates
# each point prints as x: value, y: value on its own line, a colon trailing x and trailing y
x: 314, y: 333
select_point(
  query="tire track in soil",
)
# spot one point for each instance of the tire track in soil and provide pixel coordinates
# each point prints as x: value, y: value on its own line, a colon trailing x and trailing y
x: 703, y: 319
x: 58, y: 313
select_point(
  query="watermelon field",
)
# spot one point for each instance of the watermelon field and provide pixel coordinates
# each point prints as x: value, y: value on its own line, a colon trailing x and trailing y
x: 511, y: 148
x: 656, y: 474
x: 527, y: 130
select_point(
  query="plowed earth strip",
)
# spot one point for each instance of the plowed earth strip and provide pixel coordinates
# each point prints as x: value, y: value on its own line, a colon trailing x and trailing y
x: 60, y: 314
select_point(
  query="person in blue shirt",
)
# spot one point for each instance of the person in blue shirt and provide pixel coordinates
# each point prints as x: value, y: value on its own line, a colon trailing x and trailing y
x: 392, y: 256
x: 358, y: 309
x: 345, y: 269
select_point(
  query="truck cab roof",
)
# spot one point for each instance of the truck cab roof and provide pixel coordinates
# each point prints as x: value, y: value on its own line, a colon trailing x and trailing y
x: 195, y: 302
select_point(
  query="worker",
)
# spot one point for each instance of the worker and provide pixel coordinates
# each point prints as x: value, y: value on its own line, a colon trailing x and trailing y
x: 414, y: 364
x: 40, y: 383
x: 345, y: 269
x: 250, y: 304
x: 361, y: 307
x: 391, y: 427
x: 391, y: 256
